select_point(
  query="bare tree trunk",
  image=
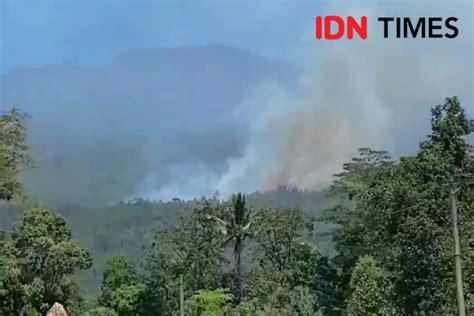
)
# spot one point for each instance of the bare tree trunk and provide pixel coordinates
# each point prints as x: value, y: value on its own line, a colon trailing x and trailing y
x: 181, y: 296
x: 240, y: 277
x: 457, y: 257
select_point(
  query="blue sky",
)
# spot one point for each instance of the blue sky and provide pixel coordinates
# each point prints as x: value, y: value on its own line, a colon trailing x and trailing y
x: 90, y: 32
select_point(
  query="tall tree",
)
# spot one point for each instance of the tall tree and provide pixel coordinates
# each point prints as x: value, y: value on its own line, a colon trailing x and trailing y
x: 48, y: 257
x: 278, y: 235
x: 13, y: 153
x: 235, y: 225
x: 366, y: 286
x: 351, y: 215
x: 122, y: 289
x: 193, y: 250
x: 398, y: 213
x: 325, y: 284
x: 11, y: 289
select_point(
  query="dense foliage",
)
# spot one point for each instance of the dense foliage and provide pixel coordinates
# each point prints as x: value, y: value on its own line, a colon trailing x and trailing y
x: 398, y: 212
x: 13, y: 153
x: 259, y: 254
x: 38, y: 260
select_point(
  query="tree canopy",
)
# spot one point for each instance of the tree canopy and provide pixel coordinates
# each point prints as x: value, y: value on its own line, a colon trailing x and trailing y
x: 13, y: 153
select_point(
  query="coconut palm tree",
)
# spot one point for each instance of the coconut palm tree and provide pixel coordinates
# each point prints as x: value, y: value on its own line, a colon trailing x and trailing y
x: 236, y: 227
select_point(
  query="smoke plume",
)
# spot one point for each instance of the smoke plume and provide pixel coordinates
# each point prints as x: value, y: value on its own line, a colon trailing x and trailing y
x: 375, y: 93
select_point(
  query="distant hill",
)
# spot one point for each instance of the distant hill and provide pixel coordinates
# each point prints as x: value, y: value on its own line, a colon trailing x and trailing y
x: 97, y: 131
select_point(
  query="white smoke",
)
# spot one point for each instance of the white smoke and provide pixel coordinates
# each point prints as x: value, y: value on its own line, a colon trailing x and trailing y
x: 375, y: 93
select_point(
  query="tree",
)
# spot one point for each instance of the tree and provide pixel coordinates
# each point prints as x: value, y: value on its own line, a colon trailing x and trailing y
x: 194, y: 250
x: 303, y: 301
x: 351, y: 215
x: 269, y: 289
x: 272, y: 292
x: 122, y: 290
x: 283, y: 283
x: 11, y: 288
x: 366, y: 287
x: 47, y: 259
x: 398, y: 214
x: 235, y: 225
x: 325, y: 285
x: 129, y: 299
x: 212, y: 303
x: 118, y: 271
x: 13, y: 153
x: 13, y: 157
x: 278, y: 233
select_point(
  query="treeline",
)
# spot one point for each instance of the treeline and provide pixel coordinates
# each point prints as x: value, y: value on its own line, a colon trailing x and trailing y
x: 126, y: 228
x: 392, y: 237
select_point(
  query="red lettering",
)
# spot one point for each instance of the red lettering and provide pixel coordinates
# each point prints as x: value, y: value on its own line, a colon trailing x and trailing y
x: 361, y: 29
x: 331, y: 21
x: 319, y: 27
x: 327, y: 27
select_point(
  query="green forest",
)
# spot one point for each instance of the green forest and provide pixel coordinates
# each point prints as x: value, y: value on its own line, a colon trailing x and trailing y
x: 379, y: 241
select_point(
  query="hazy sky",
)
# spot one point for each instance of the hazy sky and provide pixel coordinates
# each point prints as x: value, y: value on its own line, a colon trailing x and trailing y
x: 88, y: 32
